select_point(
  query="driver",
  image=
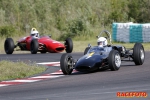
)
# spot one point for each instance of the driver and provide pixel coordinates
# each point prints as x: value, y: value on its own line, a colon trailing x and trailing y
x: 102, y: 41
x: 34, y: 33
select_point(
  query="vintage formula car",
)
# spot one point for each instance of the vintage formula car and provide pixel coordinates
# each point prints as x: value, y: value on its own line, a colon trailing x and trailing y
x: 42, y: 44
x: 107, y: 57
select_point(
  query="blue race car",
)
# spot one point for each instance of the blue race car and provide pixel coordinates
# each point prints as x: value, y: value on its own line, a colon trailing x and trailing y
x: 103, y: 55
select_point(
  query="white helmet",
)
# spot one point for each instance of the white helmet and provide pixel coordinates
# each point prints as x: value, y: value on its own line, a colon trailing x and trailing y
x: 34, y: 33
x: 102, y: 41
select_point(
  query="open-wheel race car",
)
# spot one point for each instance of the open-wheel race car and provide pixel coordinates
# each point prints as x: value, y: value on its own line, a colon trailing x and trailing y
x: 103, y: 56
x: 35, y: 43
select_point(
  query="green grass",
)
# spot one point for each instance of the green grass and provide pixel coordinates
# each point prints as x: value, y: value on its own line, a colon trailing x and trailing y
x: 12, y: 70
x: 79, y: 46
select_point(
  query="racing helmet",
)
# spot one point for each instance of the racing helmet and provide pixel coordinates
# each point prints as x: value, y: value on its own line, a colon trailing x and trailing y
x: 34, y: 33
x: 102, y: 41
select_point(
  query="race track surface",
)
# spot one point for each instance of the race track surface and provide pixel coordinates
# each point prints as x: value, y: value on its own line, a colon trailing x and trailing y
x: 100, y: 85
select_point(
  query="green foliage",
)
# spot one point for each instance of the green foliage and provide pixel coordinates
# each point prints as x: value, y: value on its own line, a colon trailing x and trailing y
x: 7, y: 31
x: 118, y: 12
x: 76, y: 28
x: 139, y: 10
x: 62, y: 18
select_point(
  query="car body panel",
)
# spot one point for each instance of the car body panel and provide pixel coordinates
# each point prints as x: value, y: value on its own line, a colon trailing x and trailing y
x: 45, y: 43
x: 93, y: 60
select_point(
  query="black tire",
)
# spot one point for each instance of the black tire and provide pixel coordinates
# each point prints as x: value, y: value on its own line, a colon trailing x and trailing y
x: 9, y: 46
x: 69, y: 45
x: 66, y: 64
x: 138, y: 54
x: 34, y: 46
x: 114, y: 60
x: 86, y: 50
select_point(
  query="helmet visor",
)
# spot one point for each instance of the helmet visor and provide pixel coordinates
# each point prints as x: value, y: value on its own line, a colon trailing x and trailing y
x: 35, y: 34
x: 32, y: 34
x: 100, y: 43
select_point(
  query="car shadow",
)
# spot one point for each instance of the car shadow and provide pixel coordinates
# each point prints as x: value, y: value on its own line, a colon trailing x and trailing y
x: 101, y: 70
x: 128, y: 65
x: 81, y: 73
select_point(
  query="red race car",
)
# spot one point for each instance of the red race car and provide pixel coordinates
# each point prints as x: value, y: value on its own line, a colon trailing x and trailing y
x: 35, y: 43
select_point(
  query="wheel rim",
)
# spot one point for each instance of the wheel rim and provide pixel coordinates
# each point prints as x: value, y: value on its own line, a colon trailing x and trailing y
x: 70, y: 63
x: 142, y: 54
x: 117, y: 60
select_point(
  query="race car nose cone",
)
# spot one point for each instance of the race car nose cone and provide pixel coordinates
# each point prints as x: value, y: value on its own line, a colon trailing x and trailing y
x: 88, y: 63
x: 83, y: 68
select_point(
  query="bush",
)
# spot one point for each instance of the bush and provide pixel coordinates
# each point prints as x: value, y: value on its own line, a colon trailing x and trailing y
x: 74, y: 28
x: 7, y: 31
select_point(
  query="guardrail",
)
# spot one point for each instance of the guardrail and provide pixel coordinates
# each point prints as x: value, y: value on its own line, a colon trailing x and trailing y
x: 131, y: 32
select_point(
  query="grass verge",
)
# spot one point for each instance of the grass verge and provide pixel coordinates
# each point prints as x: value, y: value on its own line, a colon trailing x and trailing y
x: 79, y: 46
x: 12, y: 70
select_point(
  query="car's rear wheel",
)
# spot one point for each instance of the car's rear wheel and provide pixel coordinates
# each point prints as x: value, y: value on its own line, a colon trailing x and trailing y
x: 9, y: 46
x: 69, y: 45
x: 66, y: 64
x: 34, y: 46
x: 86, y: 50
x: 114, y: 60
x: 138, y: 54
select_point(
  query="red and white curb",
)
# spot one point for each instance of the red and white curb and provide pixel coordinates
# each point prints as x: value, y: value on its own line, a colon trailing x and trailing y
x: 36, y: 78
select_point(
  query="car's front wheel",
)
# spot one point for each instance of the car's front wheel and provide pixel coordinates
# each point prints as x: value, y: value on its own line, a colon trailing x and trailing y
x: 66, y: 64
x: 138, y: 54
x: 34, y: 46
x: 114, y: 60
x: 9, y: 46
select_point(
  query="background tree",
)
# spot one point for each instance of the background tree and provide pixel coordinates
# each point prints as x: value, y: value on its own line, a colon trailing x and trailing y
x: 139, y: 10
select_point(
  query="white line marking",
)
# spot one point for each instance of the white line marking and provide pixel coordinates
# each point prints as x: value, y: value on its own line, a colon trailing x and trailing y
x: 57, y: 65
x: 22, y: 81
x: 1, y: 85
x: 57, y: 73
x: 44, y: 63
x: 47, y: 76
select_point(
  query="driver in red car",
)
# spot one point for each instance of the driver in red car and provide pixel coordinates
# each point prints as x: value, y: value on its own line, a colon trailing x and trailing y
x: 34, y: 33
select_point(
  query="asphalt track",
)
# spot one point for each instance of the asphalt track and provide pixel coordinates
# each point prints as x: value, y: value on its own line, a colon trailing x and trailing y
x: 100, y: 85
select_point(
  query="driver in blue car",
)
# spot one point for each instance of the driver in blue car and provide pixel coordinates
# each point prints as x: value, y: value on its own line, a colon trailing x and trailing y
x: 102, y: 43
x: 34, y: 33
